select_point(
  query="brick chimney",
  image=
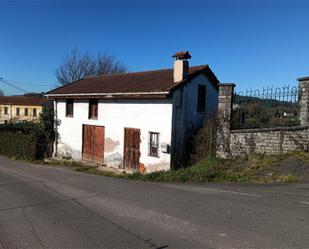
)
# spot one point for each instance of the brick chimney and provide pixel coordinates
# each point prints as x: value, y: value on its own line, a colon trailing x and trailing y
x: 181, y: 65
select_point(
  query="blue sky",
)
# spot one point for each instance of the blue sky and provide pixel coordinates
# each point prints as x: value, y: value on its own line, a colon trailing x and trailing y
x: 251, y: 43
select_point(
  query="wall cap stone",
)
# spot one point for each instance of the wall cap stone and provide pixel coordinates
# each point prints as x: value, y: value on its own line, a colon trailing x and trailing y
x: 227, y: 84
x: 303, y: 78
x: 291, y: 128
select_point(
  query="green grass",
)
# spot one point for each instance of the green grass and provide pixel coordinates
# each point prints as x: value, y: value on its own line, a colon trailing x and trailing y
x: 255, y: 168
x: 204, y: 171
x: 288, y: 178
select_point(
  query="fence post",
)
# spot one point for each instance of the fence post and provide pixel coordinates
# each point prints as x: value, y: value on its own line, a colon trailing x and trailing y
x: 224, y: 119
x: 304, y: 101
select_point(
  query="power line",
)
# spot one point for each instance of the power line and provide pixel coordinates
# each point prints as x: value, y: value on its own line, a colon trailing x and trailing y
x: 30, y: 84
x: 13, y: 85
x: 16, y: 85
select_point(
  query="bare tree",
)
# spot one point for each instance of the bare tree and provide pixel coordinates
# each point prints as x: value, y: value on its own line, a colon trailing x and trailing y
x: 77, y: 66
x: 107, y: 64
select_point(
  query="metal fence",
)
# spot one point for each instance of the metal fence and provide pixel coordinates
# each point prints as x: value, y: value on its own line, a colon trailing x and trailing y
x: 268, y: 107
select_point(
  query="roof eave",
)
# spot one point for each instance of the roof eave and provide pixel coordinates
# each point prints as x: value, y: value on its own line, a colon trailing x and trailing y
x: 135, y: 95
x: 206, y: 70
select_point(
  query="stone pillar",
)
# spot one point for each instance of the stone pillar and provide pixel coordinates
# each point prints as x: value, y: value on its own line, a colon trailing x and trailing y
x: 304, y: 101
x: 224, y: 119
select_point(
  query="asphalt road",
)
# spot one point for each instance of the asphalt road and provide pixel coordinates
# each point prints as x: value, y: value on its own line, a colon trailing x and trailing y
x: 48, y: 207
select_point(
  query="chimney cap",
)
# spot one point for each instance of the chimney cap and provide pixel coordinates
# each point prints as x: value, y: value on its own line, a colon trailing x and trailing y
x: 182, y: 55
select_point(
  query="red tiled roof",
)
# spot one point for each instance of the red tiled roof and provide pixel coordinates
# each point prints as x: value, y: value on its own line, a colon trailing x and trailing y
x: 22, y: 100
x: 138, y: 82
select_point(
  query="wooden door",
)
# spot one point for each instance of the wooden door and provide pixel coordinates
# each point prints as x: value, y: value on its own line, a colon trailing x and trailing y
x: 131, y: 148
x: 98, y: 144
x: 93, y: 143
x: 88, y: 142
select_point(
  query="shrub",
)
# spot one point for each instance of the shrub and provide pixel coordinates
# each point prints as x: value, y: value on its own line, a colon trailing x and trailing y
x: 204, y: 142
x: 28, y: 140
x: 18, y: 145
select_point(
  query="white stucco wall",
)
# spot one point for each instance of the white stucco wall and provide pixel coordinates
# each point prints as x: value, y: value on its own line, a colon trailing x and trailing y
x: 186, y: 118
x: 193, y: 118
x: 115, y: 115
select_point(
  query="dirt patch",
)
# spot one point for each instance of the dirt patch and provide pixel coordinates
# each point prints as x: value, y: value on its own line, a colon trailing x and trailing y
x: 294, y: 166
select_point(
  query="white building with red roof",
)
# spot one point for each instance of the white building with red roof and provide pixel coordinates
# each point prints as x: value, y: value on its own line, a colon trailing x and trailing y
x: 138, y: 121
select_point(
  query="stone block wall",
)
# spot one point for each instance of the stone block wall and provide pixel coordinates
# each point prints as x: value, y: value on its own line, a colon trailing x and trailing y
x: 304, y: 100
x: 231, y: 143
x: 224, y: 118
x: 269, y: 141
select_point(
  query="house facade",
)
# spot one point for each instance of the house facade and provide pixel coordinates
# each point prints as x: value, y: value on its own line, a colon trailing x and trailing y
x: 15, y: 109
x: 136, y: 121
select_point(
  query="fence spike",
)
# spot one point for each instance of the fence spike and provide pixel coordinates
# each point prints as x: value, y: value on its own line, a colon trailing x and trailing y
x: 266, y: 107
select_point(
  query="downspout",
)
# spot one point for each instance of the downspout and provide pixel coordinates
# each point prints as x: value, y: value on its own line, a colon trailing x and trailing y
x: 173, y: 135
x: 55, y: 150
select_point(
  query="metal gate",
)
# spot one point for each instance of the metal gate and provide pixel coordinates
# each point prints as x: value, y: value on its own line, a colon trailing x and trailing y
x: 93, y: 143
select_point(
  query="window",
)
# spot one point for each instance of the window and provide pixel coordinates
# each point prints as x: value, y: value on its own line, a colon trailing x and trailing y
x: 34, y: 112
x: 17, y: 111
x: 26, y: 111
x: 5, y: 110
x: 154, y: 144
x: 69, y: 111
x: 93, y: 108
x: 201, y: 101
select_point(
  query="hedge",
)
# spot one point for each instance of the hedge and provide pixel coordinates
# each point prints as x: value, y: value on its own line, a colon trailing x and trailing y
x: 28, y: 141
x: 19, y: 145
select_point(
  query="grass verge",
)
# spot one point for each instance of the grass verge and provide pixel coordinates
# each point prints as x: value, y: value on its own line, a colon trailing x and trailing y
x: 254, y: 168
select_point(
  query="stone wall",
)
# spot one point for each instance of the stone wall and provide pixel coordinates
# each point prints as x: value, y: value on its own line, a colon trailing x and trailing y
x: 304, y: 100
x: 269, y: 141
x: 224, y: 119
x: 231, y: 143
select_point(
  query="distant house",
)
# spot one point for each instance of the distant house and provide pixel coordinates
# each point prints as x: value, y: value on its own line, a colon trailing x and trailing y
x: 134, y: 121
x: 15, y: 109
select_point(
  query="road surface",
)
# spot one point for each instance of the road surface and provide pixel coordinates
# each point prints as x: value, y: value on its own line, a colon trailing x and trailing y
x: 49, y: 207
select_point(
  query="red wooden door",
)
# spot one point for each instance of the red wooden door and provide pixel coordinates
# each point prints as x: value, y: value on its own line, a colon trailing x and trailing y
x: 93, y: 143
x: 98, y: 144
x: 88, y: 142
x: 131, y: 148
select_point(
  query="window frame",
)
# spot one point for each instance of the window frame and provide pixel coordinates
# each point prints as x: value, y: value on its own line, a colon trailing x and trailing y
x: 93, y: 103
x: 6, y: 110
x: 17, y: 111
x: 26, y: 112
x: 153, y: 144
x: 34, y: 112
x: 201, y: 98
x: 69, y: 112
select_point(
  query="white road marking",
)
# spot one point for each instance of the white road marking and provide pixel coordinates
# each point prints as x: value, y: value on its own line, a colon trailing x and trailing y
x: 239, y: 193
x: 205, y: 190
x: 305, y: 202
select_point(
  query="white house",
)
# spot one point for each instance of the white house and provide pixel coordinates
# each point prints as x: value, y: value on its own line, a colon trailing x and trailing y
x: 134, y: 121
